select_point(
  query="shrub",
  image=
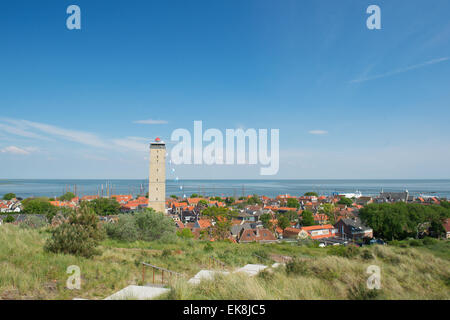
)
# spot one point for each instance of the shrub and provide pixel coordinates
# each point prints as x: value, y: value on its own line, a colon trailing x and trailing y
x: 125, y: 229
x: 146, y: 226
x: 166, y: 253
x: 185, y: 233
x: 367, y: 255
x: 297, y: 267
x: 33, y: 222
x: 429, y: 241
x: 9, y: 219
x: 346, y: 252
x: 415, y: 243
x: 208, y: 247
x: 79, y: 236
x: 361, y: 292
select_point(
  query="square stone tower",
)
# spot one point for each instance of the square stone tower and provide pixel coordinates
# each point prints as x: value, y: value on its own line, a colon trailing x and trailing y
x: 157, y: 176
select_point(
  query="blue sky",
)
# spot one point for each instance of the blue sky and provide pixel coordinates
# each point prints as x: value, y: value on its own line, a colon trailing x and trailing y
x: 71, y: 100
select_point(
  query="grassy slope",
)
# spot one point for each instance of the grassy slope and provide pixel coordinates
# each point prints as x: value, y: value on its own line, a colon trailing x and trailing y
x: 26, y: 271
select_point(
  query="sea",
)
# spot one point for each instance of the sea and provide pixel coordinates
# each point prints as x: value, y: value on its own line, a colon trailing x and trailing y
x: 25, y: 188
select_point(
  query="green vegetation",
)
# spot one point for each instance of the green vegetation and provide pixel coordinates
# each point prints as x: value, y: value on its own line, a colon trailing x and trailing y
x: 104, y: 206
x: 265, y: 219
x: 292, y: 203
x: 79, y: 236
x: 398, y: 221
x: 9, y: 219
x: 145, y: 226
x: 185, y: 233
x: 9, y: 196
x: 307, y: 218
x: 318, y: 273
x: 67, y: 196
x: 346, y: 201
x: 311, y: 194
x: 283, y: 222
x: 39, y: 206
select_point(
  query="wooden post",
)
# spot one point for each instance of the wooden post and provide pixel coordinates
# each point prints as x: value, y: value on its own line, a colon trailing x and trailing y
x: 143, y: 275
x: 153, y: 275
x: 162, y: 276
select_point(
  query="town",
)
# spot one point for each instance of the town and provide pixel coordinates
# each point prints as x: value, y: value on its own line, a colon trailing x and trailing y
x: 331, y: 220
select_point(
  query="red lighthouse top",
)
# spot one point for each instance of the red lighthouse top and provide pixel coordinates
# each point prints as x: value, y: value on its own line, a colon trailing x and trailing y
x: 157, y: 139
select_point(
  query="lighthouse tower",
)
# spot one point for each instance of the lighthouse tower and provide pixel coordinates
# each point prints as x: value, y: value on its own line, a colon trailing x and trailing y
x: 157, y: 176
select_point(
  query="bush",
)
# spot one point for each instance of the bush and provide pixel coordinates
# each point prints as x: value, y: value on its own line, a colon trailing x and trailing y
x: 79, y: 236
x: 125, y: 229
x: 39, y: 206
x: 346, y: 252
x: 367, y: 255
x: 33, y: 222
x: 185, y: 233
x: 9, y: 219
x: 146, y: 226
x: 208, y: 247
x: 429, y: 241
x: 415, y: 243
x: 297, y: 267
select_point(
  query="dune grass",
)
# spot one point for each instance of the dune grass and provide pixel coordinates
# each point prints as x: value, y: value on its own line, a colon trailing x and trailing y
x: 28, y: 272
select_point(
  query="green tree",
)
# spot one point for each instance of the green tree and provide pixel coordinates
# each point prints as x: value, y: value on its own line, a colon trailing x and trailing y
x: 283, y: 222
x: 229, y: 201
x: 104, y: 206
x: 9, y: 196
x: 172, y: 196
x: 222, y: 229
x: 266, y: 221
x: 67, y: 196
x: 307, y: 218
x: 79, y: 236
x: 39, y: 206
x: 330, y: 211
x: 346, y: 201
x: 311, y: 194
x: 185, y: 233
x: 292, y: 203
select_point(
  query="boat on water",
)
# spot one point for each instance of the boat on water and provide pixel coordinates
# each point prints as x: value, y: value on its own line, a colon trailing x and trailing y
x: 356, y: 194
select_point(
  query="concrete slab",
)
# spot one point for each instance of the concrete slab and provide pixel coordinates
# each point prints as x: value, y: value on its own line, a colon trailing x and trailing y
x: 138, y: 293
x: 252, y: 269
x: 205, y: 275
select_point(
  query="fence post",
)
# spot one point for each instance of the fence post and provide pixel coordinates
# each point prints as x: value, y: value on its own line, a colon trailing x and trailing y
x: 143, y: 274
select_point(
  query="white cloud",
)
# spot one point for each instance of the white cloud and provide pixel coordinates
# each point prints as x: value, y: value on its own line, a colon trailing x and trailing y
x: 151, y: 121
x: 82, y: 137
x: 318, y: 132
x: 131, y: 144
x: 391, y: 73
x: 21, y: 132
x: 17, y: 150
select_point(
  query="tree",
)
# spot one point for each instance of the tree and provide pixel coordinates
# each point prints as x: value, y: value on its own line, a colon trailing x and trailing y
x: 79, y: 236
x: 67, y: 196
x: 307, y: 218
x: 105, y: 206
x: 346, y: 201
x: 254, y: 200
x: 222, y: 229
x: 39, y: 206
x: 283, y: 222
x: 185, y: 233
x: 195, y: 195
x: 311, y: 194
x: 229, y: 201
x: 292, y: 203
x: 172, y: 196
x: 397, y: 221
x: 9, y: 196
x: 266, y: 221
x: 330, y: 211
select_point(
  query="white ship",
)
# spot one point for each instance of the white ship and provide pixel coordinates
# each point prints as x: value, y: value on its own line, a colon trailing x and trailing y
x: 356, y: 195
